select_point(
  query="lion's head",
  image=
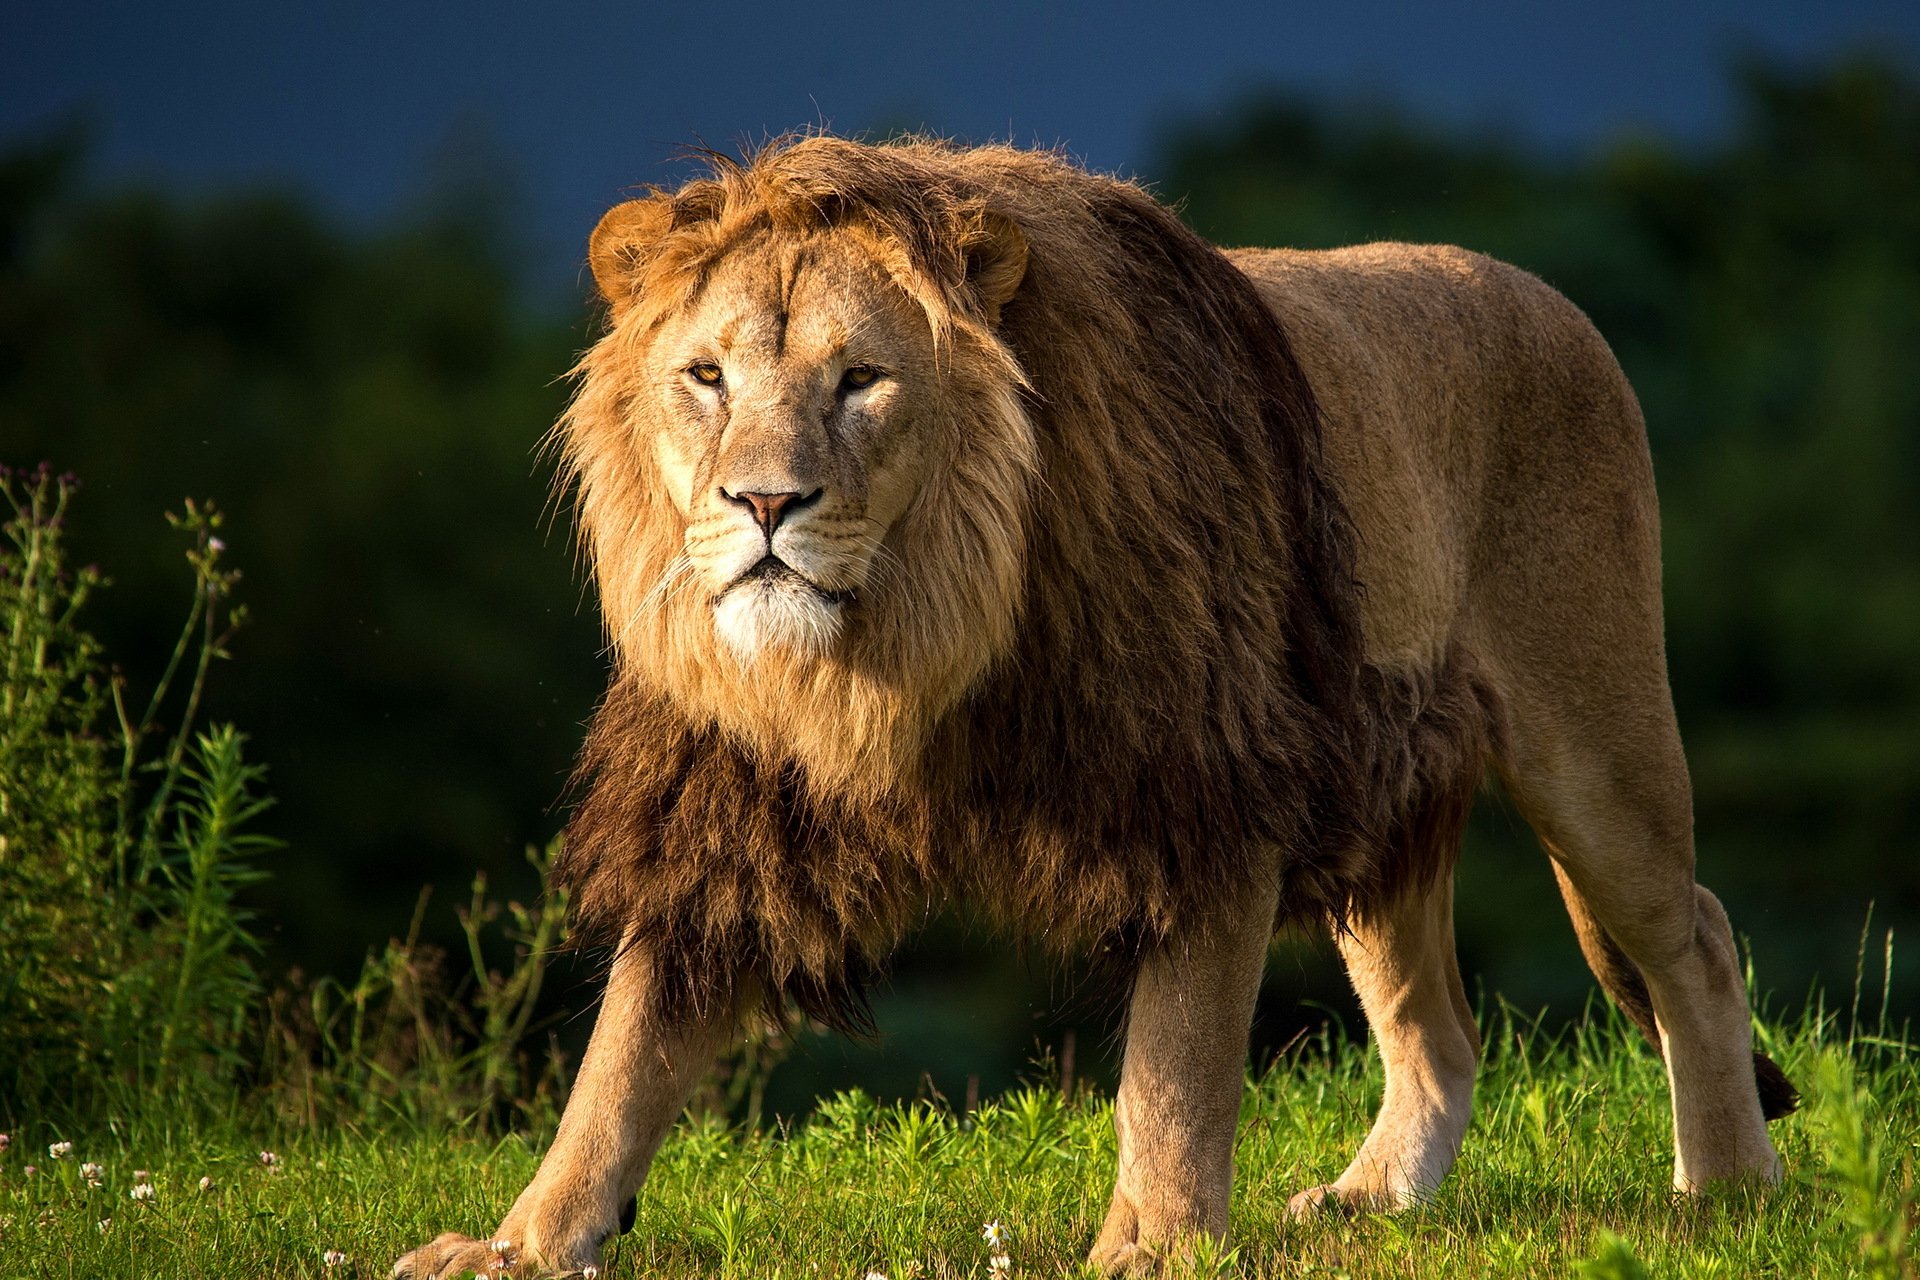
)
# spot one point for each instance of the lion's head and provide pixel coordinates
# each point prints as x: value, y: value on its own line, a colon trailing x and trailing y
x: 804, y: 465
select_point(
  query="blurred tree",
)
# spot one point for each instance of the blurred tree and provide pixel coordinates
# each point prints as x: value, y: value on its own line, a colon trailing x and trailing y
x: 367, y: 410
x: 367, y: 407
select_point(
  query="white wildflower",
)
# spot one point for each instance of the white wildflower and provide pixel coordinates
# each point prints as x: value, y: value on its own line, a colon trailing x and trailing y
x: 30, y: 1170
x: 268, y: 1160
x: 92, y: 1173
x: 104, y: 1224
x: 141, y: 1191
x: 994, y: 1234
x: 59, y: 1150
x: 589, y: 1272
x: 142, y: 1175
x: 999, y: 1265
x: 5, y: 1142
x: 334, y: 1258
x: 206, y: 1183
x: 875, y: 1275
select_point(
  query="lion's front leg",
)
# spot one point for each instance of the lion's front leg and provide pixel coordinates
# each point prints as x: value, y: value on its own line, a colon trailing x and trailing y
x: 1180, y: 1085
x: 1402, y: 960
x: 634, y: 1081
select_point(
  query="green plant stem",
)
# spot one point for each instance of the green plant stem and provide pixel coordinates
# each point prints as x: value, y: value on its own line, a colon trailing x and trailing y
x: 177, y: 747
x: 130, y: 749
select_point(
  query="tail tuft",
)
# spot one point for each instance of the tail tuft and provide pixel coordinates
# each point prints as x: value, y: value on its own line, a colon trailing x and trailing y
x: 1778, y: 1097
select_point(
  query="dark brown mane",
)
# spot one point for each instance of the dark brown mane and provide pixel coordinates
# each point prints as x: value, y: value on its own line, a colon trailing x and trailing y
x: 1185, y: 700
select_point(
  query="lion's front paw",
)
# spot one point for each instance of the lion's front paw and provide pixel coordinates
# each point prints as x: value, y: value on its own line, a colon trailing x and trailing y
x: 1124, y: 1261
x: 452, y: 1255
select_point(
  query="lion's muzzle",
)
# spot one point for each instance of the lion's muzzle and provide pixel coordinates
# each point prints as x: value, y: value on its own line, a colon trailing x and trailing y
x: 772, y: 605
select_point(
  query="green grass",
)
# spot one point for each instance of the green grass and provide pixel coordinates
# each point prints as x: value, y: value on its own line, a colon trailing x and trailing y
x: 1569, y: 1149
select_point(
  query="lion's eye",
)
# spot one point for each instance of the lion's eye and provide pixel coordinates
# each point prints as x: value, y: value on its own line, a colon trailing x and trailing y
x: 706, y: 373
x: 858, y: 377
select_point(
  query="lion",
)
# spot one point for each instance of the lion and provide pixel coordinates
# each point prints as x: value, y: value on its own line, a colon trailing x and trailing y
x: 966, y: 527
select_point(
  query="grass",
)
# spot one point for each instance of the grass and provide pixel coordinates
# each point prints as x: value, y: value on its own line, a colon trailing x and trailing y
x: 1565, y: 1173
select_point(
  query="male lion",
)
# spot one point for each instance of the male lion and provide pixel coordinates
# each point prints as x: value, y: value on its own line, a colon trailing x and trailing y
x: 965, y: 525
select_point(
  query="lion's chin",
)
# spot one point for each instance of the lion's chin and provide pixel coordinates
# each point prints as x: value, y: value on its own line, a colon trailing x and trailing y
x: 762, y: 615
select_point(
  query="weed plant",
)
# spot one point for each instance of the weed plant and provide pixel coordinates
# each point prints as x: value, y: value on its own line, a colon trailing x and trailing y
x: 130, y: 983
x: 126, y: 835
x: 414, y: 1044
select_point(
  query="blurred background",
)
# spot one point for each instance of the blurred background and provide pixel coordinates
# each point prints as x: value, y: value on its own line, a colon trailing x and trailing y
x: 323, y: 264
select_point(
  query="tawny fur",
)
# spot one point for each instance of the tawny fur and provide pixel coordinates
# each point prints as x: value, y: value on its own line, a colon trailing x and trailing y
x: 1131, y: 672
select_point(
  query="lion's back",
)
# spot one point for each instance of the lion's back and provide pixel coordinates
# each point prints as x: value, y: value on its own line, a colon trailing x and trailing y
x: 1483, y: 436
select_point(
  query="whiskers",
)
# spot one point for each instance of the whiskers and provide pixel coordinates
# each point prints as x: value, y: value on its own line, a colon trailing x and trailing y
x: 679, y: 575
x: 886, y: 571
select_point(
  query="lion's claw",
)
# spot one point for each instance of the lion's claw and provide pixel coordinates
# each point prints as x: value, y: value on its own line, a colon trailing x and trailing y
x: 452, y: 1254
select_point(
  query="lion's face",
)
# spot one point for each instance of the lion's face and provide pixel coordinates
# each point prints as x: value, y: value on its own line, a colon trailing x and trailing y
x: 793, y: 427
x: 804, y: 466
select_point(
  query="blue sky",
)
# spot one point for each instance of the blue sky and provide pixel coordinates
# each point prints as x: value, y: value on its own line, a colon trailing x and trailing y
x: 360, y: 104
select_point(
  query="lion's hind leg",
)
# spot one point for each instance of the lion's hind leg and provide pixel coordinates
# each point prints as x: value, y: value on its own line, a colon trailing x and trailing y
x: 1626, y: 987
x: 1620, y: 835
x: 1400, y: 957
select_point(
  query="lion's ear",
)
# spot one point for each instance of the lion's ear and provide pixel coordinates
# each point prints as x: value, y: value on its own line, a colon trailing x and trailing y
x: 622, y: 244
x: 996, y: 262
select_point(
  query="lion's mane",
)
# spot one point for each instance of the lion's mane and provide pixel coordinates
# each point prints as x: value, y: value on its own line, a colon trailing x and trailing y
x: 1128, y: 676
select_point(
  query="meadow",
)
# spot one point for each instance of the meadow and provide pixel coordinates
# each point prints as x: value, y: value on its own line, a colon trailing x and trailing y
x: 1565, y: 1173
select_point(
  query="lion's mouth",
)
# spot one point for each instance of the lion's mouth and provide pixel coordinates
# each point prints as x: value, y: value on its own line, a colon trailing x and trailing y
x: 775, y: 572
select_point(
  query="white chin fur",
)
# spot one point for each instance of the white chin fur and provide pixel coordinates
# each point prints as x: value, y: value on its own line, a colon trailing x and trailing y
x: 757, y: 616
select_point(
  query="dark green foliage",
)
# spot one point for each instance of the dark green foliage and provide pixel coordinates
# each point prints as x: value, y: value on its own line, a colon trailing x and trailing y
x: 58, y: 795
x: 413, y: 1042
x: 370, y: 405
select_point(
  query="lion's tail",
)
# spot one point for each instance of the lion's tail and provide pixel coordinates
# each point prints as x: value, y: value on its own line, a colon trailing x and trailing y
x: 1622, y: 982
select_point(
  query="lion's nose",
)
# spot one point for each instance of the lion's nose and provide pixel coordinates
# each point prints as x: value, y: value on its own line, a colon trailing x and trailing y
x: 769, y: 509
